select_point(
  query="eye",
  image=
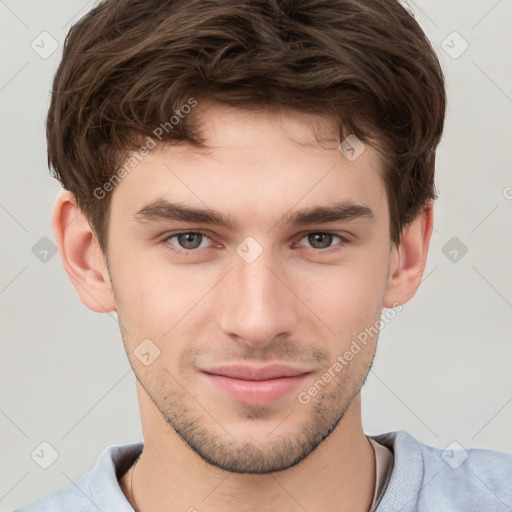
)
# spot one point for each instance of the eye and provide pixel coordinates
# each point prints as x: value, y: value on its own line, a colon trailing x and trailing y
x: 186, y: 241
x: 322, y: 240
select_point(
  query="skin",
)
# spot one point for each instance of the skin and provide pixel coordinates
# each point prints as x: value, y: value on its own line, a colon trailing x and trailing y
x: 293, y: 304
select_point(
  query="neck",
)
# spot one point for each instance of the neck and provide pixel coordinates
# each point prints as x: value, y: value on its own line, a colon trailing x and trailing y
x: 337, y: 476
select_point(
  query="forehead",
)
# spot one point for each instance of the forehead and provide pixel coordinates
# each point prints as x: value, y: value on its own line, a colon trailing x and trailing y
x: 255, y: 161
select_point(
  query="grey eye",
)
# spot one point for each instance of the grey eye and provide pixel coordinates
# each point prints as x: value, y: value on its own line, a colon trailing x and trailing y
x: 189, y: 240
x: 320, y: 240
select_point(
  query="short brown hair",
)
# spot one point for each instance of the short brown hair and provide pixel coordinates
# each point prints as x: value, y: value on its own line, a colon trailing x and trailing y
x: 128, y: 66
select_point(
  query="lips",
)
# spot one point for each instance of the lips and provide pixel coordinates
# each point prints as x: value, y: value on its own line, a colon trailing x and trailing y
x: 274, y: 371
x: 256, y: 385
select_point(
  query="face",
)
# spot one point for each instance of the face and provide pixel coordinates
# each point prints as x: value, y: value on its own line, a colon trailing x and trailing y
x: 229, y: 320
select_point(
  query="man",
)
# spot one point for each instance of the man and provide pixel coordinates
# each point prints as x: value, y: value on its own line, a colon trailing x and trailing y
x: 248, y: 185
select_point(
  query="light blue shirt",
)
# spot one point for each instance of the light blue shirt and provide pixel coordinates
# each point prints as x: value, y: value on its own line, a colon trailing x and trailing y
x: 424, y: 479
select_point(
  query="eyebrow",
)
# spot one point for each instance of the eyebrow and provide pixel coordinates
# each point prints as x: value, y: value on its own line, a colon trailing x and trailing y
x: 161, y: 209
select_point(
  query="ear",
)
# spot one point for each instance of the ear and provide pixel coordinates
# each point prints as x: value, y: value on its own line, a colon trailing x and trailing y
x: 408, y: 260
x: 81, y: 255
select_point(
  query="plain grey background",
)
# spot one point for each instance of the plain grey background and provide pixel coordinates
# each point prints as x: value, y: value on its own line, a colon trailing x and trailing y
x: 442, y: 370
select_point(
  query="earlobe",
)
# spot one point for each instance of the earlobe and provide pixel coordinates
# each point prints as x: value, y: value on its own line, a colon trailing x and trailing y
x: 408, y: 260
x: 79, y: 250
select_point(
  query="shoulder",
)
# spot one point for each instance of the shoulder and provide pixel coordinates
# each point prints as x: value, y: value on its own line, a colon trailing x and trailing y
x: 470, y: 479
x: 69, y: 498
x: 452, y: 479
x: 97, y: 490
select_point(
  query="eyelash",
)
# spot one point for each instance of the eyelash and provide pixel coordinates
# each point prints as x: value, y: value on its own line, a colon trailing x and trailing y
x: 176, y: 250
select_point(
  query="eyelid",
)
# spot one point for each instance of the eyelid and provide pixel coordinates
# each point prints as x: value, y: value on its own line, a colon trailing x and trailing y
x: 175, y: 249
x: 344, y: 240
x: 343, y: 237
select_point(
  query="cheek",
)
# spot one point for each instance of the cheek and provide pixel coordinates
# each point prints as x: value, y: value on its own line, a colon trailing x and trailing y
x: 161, y: 300
x: 347, y: 297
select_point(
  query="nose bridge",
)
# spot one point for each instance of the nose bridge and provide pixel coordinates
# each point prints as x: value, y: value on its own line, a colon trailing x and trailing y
x: 257, y: 306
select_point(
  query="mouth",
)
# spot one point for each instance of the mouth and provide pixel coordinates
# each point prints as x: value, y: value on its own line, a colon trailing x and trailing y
x: 256, y: 385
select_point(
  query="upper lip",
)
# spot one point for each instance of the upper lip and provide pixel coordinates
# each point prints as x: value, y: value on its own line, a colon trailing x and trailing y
x: 245, y: 372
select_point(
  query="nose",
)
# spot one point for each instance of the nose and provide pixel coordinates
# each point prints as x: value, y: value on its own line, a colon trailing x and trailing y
x: 257, y: 302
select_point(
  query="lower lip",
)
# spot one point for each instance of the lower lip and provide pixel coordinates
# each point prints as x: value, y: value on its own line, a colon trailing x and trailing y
x: 259, y: 392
